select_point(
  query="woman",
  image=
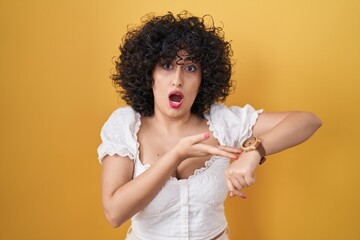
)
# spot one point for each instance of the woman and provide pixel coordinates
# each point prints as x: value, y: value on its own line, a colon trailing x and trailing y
x: 166, y: 157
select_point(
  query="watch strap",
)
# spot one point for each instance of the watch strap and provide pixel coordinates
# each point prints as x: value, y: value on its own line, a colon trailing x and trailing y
x: 257, y: 146
x: 260, y: 148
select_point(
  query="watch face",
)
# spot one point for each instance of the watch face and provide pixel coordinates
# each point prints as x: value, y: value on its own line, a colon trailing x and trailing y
x: 248, y: 142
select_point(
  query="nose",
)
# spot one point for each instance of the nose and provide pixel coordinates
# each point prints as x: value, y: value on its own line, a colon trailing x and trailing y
x: 178, y: 78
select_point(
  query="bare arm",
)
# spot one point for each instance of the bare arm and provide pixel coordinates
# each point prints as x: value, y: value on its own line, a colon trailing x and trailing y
x: 278, y: 131
x: 123, y: 196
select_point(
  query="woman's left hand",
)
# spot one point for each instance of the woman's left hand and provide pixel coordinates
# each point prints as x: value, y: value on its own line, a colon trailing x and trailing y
x: 240, y: 173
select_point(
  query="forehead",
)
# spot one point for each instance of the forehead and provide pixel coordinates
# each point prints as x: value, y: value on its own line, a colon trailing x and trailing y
x: 182, y: 53
x: 183, y: 56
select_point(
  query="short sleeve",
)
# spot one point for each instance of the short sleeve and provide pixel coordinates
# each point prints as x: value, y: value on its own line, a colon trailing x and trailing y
x: 119, y: 133
x: 232, y: 126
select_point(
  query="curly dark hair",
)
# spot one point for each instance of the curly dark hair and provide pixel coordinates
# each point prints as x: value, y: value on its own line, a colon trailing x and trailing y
x: 160, y: 38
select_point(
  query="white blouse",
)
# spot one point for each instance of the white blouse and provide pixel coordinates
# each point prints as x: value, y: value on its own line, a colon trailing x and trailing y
x: 191, y: 208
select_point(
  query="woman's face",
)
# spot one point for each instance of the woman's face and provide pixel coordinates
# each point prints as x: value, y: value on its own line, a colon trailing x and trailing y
x: 176, y: 85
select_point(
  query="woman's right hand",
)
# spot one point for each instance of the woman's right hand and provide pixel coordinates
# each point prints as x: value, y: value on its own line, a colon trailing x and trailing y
x: 194, y: 146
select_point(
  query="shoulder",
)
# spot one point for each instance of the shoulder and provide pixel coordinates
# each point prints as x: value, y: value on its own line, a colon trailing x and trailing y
x: 232, y: 124
x: 118, y: 134
x: 121, y: 117
x: 124, y: 113
x: 222, y: 111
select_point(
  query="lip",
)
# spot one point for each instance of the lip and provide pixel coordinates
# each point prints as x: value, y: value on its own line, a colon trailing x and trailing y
x: 176, y: 104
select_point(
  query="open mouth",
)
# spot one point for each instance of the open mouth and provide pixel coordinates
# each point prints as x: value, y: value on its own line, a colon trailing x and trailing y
x: 176, y: 98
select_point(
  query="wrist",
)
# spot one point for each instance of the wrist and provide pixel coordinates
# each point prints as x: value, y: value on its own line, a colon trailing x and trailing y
x: 177, y: 155
x: 253, y: 156
x: 253, y: 144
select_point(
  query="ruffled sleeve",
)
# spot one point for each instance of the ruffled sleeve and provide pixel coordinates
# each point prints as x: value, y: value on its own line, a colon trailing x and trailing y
x: 232, y: 126
x: 119, y: 133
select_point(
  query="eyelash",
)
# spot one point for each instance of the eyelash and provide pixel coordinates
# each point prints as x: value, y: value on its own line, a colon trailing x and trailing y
x: 168, y: 66
x: 194, y: 68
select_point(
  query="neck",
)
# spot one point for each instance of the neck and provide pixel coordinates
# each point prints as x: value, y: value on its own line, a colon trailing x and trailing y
x: 169, y: 124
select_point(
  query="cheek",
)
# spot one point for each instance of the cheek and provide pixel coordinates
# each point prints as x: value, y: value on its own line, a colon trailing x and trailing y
x: 196, y: 84
x: 155, y: 84
x: 194, y: 88
x: 158, y: 89
x: 159, y: 81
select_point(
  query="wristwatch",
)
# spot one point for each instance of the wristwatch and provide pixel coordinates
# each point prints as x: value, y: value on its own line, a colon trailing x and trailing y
x: 254, y: 143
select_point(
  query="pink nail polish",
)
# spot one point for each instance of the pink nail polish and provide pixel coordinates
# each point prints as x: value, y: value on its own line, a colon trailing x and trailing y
x: 206, y: 135
x: 243, y: 197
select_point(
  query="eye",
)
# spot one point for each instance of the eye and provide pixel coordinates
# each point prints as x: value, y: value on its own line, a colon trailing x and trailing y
x: 167, y: 66
x: 191, y: 68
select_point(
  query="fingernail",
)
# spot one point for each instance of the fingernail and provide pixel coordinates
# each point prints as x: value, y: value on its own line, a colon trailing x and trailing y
x: 235, y: 158
x: 206, y: 135
x: 243, y: 197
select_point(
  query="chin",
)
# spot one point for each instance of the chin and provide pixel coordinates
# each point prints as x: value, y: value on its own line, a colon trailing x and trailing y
x: 175, y: 112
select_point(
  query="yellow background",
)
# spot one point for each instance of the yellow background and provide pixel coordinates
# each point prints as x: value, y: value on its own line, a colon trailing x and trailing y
x: 55, y: 62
